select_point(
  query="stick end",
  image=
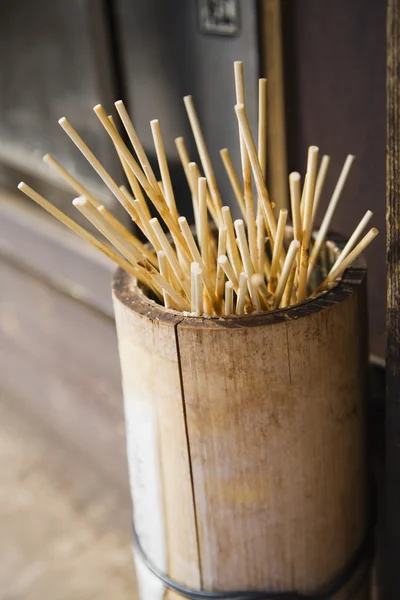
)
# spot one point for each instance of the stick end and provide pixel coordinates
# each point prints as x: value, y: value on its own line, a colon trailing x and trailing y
x: 79, y: 202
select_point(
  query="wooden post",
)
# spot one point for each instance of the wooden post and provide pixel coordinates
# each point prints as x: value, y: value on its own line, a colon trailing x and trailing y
x: 272, y: 68
x: 246, y: 440
x: 392, y: 543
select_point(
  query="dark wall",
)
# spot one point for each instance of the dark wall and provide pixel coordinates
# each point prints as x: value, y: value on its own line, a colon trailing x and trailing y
x: 335, y: 67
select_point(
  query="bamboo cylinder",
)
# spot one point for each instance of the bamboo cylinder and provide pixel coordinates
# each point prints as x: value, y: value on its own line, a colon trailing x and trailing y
x: 246, y: 440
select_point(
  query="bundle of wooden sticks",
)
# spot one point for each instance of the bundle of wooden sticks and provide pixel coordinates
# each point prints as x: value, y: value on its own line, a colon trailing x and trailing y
x: 225, y: 267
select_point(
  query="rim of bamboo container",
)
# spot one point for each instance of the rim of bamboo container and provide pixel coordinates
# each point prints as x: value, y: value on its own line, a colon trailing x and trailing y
x: 130, y: 295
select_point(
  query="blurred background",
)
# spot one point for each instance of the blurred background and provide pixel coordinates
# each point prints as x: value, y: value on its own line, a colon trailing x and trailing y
x: 64, y: 494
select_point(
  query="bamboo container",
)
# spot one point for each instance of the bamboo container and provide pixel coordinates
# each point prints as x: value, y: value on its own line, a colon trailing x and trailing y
x: 246, y: 440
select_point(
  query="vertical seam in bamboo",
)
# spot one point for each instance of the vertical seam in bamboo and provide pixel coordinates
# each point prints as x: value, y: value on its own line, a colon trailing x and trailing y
x: 178, y: 355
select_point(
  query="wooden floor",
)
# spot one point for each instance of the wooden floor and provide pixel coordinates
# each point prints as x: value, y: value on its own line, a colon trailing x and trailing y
x: 65, y: 511
x: 62, y: 536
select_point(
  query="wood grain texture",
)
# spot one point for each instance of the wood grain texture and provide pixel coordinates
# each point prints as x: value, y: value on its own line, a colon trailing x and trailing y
x: 151, y: 382
x: 274, y: 409
x: 276, y: 431
x: 392, y: 546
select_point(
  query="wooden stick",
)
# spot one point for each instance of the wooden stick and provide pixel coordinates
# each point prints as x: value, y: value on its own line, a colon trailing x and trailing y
x: 229, y: 272
x: 107, y: 229
x: 194, y: 267
x: 264, y: 295
x: 171, y: 256
x: 234, y: 180
x: 297, y: 220
x: 130, y: 199
x: 302, y: 199
x: 350, y: 258
x: 168, y: 191
x: 187, y: 234
x: 222, y: 240
x: 240, y: 99
x: 203, y: 153
x: 245, y: 254
x: 125, y: 233
x: 172, y: 224
x: 251, y: 230
x: 154, y: 194
x: 294, y: 185
x: 231, y: 242
x: 287, y: 294
x: 246, y: 168
x: 161, y: 186
x: 228, y: 298
x: 73, y: 226
x: 194, y: 177
x: 323, y: 169
x: 261, y: 256
x: 262, y: 125
x: 220, y: 276
x: 353, y: 238
x: 277, y: 251
x: 220, y: 283
x: 257, y: 172
x: 192, y: 174
x: 198, y: 291
x: 130, y: 252
x: 326, y: 222
x: 195, y: 174
x: 143, y: 223
x: 129, y: 174
x: 68, y: 178
x: 196, y: 256
x: 163, y: 268
x: 135, y: 141
x: 203, y: 221
x: 97, y: 166
x: 241, y: 298
x: 312, y: 162
x: 286, y: 271
x: 255, y: 298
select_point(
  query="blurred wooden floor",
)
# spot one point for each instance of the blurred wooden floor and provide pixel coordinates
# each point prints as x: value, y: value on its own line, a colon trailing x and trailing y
x: 65, y: 511
x: 61, y: 536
